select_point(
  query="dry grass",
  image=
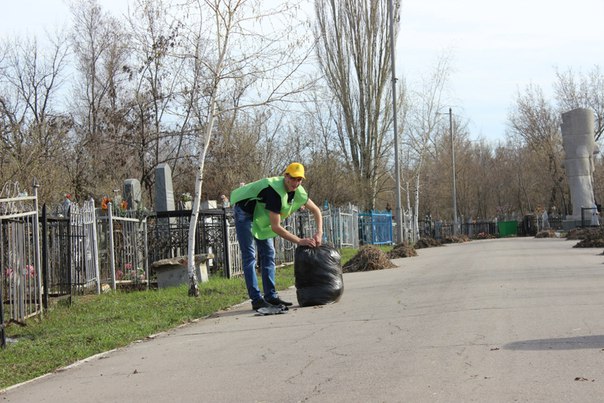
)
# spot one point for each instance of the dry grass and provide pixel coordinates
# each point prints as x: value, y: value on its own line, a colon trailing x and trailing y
x: 589, y: 237
x: 548, y: 233
x: 402, y: 250
x: 368, y: 258
x: 427, y: 243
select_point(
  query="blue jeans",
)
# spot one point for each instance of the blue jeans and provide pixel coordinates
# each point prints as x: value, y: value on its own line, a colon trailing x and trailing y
x: 266, y: 254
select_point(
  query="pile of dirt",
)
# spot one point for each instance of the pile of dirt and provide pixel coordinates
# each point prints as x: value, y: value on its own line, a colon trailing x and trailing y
x: 456, y: 239
x: 484, y: 235
x: 590, y: 243
x: 368, y: 258
x: 548, y: 233
x: 585, y: 233
x: 427, y: 243
x: 589, y: 237
x: 402, y: 250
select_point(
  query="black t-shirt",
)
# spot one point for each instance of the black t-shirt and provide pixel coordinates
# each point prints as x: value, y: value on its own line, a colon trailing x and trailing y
x: 269, y: 197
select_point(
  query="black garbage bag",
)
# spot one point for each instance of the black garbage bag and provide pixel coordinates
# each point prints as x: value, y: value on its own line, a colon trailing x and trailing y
x: 318, y: 274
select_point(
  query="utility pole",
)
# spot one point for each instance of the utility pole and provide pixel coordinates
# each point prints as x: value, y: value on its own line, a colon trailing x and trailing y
x: 398, y: 209
x: 453, y: 167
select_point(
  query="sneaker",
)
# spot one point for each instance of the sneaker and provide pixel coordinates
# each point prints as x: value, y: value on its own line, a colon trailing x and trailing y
x: 278, y: 301
x: 261, y: 303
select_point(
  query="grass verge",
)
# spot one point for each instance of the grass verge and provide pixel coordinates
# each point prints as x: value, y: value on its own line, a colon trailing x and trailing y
x: 97, y: 323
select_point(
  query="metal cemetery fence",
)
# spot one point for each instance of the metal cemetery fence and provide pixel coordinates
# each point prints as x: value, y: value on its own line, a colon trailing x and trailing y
x: 168, y: 233
x: 341, y: 227
x: 87, y: 250
x: 20, y: 293
x: 122, y: 246
x: 56, y: 256
x: 440, y: 230
x: 84, y: 247
x: 83, y: 250
x: 375, y: 227
x: 215, y: 233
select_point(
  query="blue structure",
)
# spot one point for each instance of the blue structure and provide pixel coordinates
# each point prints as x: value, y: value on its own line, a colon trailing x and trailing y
x: 375, y: 227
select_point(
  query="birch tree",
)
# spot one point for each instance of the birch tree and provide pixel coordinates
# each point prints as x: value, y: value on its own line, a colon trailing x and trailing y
x: 424, y: 118
x: 251, y: 50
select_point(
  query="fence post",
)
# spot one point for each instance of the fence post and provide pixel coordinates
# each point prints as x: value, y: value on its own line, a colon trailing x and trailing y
x: 37, y: 240
x: 355, y: 225
x: 338, y: 227
x: 111, y: 253
x: 45, y: 256
x: 226, y: 246
x: 2, y: 333
x: 89, y: 208
x: 300, y: 225
x: 393, y: 242
x: 146, y: 259
x: 69, y: 255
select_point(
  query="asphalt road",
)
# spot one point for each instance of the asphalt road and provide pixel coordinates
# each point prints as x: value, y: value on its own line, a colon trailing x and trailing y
x: 507, y: 320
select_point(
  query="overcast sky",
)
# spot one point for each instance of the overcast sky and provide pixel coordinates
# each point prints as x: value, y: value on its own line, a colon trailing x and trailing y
x: 496, y: 47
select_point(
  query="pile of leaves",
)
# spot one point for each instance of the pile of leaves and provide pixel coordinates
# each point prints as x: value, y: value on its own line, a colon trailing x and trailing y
x: 484, y: 235
x: 590, y: 243
x: 548, y: 233
x: 368, y: 258
x: 585, y: 233
x: 589, y: 237
x: 456, y: 239
x: 427, y: 243
x: 402, y: 250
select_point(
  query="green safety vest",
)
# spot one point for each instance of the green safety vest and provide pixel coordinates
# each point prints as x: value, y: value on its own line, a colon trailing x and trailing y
x: 261, y: 225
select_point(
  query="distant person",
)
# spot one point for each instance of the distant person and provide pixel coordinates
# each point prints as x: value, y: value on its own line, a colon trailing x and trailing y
x: 66, y: 205
x: 225, y: 201
x: 259, y: 208
x: 595, y: 216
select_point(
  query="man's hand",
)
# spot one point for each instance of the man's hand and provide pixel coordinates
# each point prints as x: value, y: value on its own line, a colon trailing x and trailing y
x: 307, y: 242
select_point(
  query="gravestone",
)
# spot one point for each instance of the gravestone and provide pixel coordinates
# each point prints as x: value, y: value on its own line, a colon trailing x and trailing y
x: 132, y: 193
x: 164, y: 201
x: 209, y: 205
x: 164, y: 191
x: 174, y: 271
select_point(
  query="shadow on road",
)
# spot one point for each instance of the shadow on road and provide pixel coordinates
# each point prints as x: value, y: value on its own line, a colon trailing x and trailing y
x: 565, y: 343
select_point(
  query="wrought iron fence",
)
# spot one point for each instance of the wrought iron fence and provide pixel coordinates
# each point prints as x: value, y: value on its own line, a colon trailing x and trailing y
x: 341, y: 226
x: 479, y: 229
x: 122, y: 243
x: 215, y: 232
x: 440, y: 230
x: 21, y: 291
x: 375, y: 227
x: 84, y: 248
x: 56, y: 273
x: 168, y: 236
